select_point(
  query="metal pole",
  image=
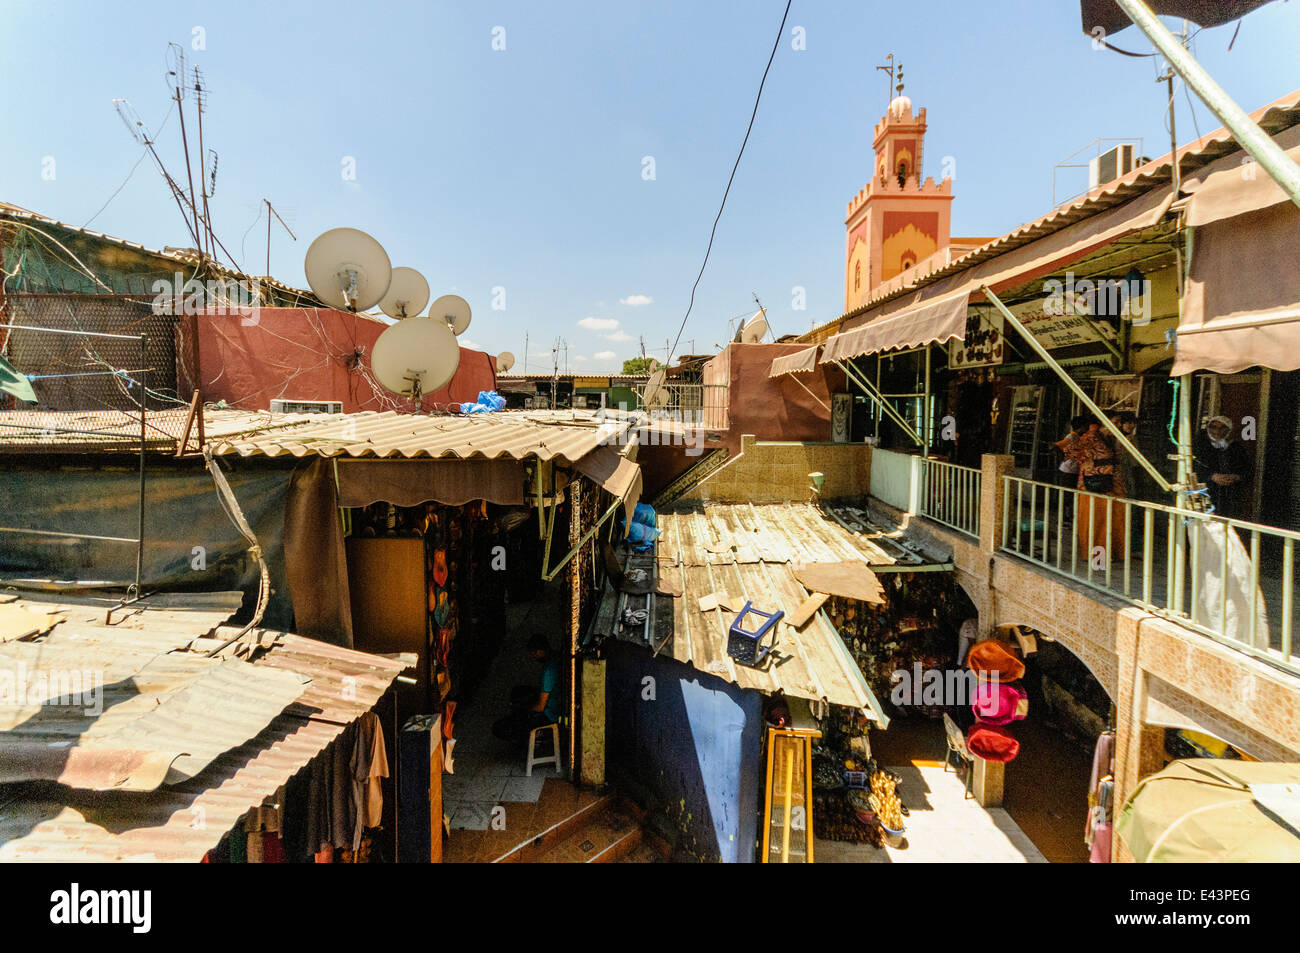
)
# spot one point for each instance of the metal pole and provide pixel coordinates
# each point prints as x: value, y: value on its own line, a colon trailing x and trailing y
x: 925, y: 406
x: 1279, y: 166
x: 1078, y: 391
x: 880, y: 401
x: 139, y: 551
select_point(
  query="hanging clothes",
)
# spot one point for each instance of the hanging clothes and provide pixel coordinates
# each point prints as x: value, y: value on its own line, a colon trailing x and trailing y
x: 369, y: 764
x: 1099, y: 473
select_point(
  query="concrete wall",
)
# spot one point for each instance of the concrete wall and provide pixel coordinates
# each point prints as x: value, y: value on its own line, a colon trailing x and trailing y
x: 771, y: 472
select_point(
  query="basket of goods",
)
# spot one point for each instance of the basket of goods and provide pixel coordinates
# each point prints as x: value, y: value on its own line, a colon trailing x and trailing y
x: 888, y: 809
x: 860, y: 802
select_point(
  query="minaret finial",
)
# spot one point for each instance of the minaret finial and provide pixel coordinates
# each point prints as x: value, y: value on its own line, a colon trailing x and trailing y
x: 900, y: 78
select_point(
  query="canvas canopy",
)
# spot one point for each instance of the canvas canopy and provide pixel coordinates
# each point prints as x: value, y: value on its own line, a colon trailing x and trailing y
x: 797, y: 363
x: 933, y: 321
x: 1206, y: 810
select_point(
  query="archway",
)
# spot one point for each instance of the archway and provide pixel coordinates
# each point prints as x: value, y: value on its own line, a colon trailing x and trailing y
x: 1050, y: 787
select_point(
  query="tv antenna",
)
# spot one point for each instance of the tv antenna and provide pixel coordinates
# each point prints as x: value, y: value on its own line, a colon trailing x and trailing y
x: 140, y: 133
x: 270, y: 210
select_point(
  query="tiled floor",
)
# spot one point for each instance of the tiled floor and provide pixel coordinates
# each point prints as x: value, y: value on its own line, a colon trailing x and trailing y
x: 943, y: 827
x: 488, y: 774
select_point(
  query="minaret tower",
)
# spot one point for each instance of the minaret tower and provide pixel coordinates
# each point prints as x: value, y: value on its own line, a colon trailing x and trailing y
x: 898, y: 220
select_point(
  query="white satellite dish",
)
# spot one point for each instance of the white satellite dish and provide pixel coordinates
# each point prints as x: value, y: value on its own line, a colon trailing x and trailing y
x: 655, y: 394
x: 753, y: 330
x: 415, y: 357
x: 505, y: 361
x: 454, y: 310
x: 407, y: 294
x: 347, y: 269
x: 653, y: 365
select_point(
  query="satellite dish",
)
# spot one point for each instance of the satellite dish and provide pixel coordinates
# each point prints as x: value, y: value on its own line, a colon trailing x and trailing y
x: 452, y: 309
x: 653, y: 365
x: 753, y: 330
x: 655, y: 395
x: 505, y: 361
x: 347, y: 269
x: 415, y: 357
x: 407, y: 295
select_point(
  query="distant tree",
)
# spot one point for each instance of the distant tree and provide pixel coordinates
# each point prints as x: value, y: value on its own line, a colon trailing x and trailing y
x: 637, y: 365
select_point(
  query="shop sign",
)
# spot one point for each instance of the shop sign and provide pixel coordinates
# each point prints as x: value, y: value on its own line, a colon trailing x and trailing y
x: 983, y: 344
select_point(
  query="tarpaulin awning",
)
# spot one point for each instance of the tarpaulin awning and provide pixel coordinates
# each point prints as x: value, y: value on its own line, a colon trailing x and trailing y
x: 1242, y: 303
x: 927, y: 323
x: 412, y: 482
x: 1236, y: 184
x: 1207, y: 810
x: 616, y: 474
x: 796, y: 363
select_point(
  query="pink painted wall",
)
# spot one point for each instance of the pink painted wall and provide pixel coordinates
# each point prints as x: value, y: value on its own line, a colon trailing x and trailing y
x: 304, y: 354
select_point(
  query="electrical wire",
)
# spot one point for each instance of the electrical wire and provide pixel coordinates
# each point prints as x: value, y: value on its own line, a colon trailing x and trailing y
x: 713, y: 232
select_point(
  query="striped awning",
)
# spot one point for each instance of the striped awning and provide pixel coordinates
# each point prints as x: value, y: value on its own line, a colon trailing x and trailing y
x: 933, y: 321
x: 797, y: 363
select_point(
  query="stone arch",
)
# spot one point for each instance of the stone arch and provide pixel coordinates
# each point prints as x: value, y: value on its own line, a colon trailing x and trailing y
x: 1107, y: 680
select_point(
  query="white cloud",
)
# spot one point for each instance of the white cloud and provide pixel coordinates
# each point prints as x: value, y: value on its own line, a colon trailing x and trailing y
x: 636, y: 301
x: 598, y: 324
x: 618, y: 336
x: 604, y: 356
x: 579, y: 359
x: 472, y: 345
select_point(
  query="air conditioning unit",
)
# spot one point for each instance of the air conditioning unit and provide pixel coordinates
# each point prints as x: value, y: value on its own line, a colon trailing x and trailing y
x: 1112, y: 164
x: 306, y: 406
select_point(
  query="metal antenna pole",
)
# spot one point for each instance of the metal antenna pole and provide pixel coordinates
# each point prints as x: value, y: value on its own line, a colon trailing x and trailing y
x: 189, y: 171
x: 1253, y: 139
x: 203, y: 166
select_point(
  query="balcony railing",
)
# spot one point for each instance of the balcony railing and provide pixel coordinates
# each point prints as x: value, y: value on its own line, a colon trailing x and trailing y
x: 1231, y: 580
x: 701, y: 404
x: 950, y: 494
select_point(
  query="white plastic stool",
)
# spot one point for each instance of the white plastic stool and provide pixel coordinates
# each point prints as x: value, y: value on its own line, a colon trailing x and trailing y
x: 553, y: 757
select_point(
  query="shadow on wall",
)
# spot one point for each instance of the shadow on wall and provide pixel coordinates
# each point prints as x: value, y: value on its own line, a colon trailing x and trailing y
x: 688, y: 743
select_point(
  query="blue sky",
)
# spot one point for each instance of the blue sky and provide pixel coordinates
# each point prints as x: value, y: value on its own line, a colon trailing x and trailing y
x: 522, y: 169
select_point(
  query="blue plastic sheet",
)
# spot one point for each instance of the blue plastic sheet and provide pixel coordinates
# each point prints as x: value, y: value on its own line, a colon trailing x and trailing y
x: 488, y: 402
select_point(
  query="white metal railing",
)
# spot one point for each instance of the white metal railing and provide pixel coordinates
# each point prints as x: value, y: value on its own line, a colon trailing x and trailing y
x: 950, y: 494
x: 1226, y: 578
x: 705, y: 404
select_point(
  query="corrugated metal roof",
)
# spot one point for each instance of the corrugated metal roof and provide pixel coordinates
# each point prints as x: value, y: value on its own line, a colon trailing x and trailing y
x: 183, y: 256
x: 569, y: 435
x: 517, y: 434
x: 1278, y: 115
x: 92, y: 711
x: 749, y: 551
x: 182, y: 822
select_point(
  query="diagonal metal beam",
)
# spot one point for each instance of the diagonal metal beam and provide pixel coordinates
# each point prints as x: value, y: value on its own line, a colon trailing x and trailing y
x: 1245, y: 130
x: 874, y: 394
x: 1069, y: 381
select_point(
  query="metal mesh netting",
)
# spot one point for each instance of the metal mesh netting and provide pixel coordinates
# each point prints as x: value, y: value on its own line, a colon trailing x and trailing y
x: 82, y: 355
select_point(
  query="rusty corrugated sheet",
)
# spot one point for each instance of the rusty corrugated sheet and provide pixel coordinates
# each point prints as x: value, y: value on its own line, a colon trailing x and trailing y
x: 81, y: 692
x: 748, y: 551
x: 182, y: 822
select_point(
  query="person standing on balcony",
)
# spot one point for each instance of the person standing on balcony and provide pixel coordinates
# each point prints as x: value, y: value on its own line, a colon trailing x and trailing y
x: 1100, y: 474
x: 1067, y: 474
x: 1223, y: 464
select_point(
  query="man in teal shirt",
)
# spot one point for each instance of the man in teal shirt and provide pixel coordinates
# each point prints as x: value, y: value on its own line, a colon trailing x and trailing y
x: 533, y: 707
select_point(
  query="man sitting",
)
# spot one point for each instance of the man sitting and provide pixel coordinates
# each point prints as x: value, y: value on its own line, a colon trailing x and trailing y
x: 533, y: 706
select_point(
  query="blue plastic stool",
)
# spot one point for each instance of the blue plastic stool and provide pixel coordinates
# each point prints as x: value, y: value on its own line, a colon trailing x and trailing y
x: 746, y: 646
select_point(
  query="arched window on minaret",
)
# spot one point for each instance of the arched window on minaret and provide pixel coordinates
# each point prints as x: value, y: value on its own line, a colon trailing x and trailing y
x: 857, y: 276
x: 902, y: 173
